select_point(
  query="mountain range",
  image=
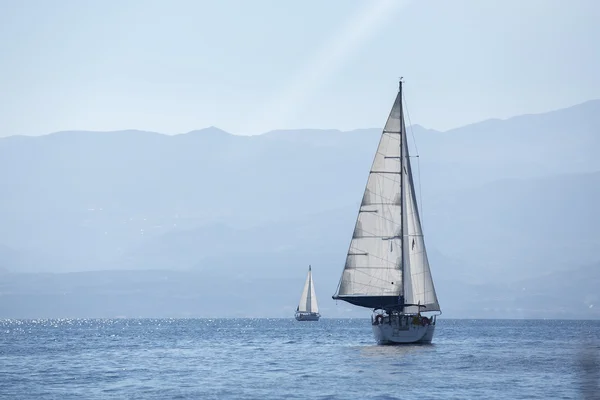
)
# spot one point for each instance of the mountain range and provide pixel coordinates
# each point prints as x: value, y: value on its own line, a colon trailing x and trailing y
x: 145, y: 224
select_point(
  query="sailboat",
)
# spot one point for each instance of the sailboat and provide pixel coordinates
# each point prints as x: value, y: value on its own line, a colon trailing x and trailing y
x: 308, y: 309
x: 386, y: 267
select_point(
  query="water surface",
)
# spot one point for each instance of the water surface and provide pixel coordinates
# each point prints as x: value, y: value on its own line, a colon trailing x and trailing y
x: 286, y: 359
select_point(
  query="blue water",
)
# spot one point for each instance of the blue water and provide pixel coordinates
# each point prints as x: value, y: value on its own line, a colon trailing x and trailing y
x: 285, y: 359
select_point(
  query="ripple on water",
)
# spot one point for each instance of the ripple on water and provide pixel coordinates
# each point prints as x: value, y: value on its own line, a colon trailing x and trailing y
x: 274, y: 359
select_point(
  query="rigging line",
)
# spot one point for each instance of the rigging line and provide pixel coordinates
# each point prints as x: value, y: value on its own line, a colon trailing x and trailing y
x: 372, y: 286
x: 373, y: 278
x: 383, y: 204
x: 412, y: 133
x: 377, y: 258
x: 371, y: 235
x: 385, y: 260
x: 373, y: 281
x: 377, y: 186
x: 410, y: 124
x: 390, y: 137
x: 383, y: 177
x: 377, y: 215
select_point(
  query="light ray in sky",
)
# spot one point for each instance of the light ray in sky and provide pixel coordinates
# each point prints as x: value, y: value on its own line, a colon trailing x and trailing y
x: 353, y: 34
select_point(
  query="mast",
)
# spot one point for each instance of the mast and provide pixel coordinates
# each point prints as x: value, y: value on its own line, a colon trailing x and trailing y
x: 309, y: 297
x: 402, y: 204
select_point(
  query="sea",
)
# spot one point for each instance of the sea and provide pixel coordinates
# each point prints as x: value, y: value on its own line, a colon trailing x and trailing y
x: 286, y: 359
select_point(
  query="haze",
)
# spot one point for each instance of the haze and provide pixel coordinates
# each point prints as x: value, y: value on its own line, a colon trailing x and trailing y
x: 251, y: 67
x: 155, y: 161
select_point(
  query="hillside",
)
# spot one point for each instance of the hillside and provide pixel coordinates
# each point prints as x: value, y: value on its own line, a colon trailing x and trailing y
x: 569, y: 294
x: 503, y: 200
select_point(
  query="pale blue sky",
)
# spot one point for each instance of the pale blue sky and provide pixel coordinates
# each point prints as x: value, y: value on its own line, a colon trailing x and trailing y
x: 253, y: 66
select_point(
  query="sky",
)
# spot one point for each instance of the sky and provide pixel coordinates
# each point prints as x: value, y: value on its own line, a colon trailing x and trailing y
x: 249, y: 67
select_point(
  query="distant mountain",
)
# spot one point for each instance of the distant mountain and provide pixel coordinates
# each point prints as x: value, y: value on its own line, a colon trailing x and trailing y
x: 515, y: 228
x: 503, y: 200
x: 568, y: 294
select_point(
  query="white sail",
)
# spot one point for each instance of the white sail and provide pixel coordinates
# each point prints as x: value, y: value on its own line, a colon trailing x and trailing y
x: 418, y: 286
x: 373, y: 263
x: 373, y: 274
x: 308, y: 299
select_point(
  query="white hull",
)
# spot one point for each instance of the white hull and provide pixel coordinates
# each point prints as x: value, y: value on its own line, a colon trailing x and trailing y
x: 402, y: 330
x: 307, y: 316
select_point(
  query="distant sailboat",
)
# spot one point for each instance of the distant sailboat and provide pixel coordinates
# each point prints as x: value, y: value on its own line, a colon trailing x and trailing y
x: 308, y: 309
x: 386, y: 266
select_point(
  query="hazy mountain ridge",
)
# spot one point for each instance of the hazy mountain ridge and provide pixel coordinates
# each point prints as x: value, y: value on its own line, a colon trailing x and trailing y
x: 503, y: 200
x: 516, y: 224
x: 568, y: 294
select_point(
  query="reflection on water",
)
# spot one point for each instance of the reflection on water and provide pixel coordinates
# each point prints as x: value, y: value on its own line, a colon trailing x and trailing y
x: 276, y: 359
x: 395, y: 351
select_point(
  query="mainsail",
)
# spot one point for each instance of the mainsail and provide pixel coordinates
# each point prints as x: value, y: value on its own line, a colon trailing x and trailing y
x: 308, y: 300
x: 387, y: 264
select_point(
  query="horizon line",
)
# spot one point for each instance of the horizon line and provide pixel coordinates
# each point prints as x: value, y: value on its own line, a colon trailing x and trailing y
x: 213, y: 127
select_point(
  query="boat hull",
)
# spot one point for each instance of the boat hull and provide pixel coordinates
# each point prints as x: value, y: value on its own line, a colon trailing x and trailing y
x: 396, y: 331
x: 308, y: 317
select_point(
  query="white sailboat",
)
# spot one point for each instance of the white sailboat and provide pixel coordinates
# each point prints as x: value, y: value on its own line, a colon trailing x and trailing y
x: 308, y: 309
x: 386, y: 266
